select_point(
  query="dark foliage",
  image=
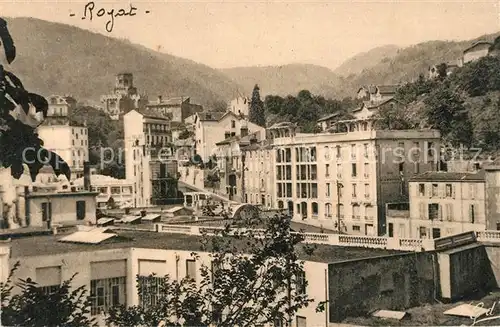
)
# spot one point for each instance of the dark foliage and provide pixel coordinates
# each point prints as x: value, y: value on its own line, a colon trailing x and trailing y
x: 256, y: 113
x: 33, y: 306
x: 20, y: 113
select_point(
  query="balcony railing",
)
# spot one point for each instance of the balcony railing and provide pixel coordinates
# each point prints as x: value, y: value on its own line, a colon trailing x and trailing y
x: 377, y: 242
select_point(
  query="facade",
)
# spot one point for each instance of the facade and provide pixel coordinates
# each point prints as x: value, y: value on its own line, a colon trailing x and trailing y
x: 240, y: 106
x: 328, y: 121
x: 369, y: 108
x: 237, y: 168
x: 68, y: 141
x: 354, y: 172
x: 112, y: 192
x: 109, y: 270
x: 492, y: 180
x: 443, y: 204
x: 476, y: 51
x: 214, y: 127
x: 148, y: 151
x: 176, y: 109
x: 65, y: 208
x: 123, y: 98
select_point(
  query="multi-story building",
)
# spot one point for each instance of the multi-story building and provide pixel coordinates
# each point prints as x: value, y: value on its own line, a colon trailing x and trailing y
x: 63, y: 136
x: 346, y: 178
x: 176, y: 109
x: 213, y: 127
x: 149, y: 155
x: 237, y: 165
x: 240, y: 106
x: 443, y: 204
x: 123, y: 98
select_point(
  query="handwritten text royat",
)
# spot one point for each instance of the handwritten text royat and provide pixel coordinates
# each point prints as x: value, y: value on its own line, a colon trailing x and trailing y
x: 91, y: 12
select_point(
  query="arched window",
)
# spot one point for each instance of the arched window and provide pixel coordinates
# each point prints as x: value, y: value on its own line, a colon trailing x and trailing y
x: 314, y: 209
x: 328, y: 210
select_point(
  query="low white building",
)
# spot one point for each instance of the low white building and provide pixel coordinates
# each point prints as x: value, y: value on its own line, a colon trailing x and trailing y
x: 112, y: 191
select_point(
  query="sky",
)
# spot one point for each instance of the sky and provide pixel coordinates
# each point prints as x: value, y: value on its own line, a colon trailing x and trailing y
x: 227, y: 34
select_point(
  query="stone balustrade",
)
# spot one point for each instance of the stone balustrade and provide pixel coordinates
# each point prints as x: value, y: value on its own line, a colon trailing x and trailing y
x: 375, y: 242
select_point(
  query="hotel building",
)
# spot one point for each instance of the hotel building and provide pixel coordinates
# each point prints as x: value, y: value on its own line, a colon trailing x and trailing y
x: 341, y: 178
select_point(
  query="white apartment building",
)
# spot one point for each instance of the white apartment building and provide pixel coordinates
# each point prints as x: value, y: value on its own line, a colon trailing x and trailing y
x: 353, y: 172
x: 147, y: 138
x: 213, y: 127
x: 240, y: 106
x: 68, y: 141
x: 443, y: 204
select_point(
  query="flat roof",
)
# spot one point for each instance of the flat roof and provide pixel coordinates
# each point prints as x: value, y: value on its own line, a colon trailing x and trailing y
x: 50, y: 245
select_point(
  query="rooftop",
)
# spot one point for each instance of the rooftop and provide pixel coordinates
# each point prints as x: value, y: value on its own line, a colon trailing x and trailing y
x: 147, y: 113
x: 443, y: 176
x: 335, y: 114
x: 388, y: 89
x: 175, y: 101
x: 210, y: 116
x: 50, y: 245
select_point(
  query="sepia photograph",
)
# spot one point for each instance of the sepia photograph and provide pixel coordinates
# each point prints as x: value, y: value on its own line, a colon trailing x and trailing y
x: 195, y: 163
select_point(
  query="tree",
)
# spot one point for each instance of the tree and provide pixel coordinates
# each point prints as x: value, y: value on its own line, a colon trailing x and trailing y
x: 256, y: 111
x: 273, y: 104
x: 251, y: 281
x: 445, y: 111
x: 34, y: 306
x: 20, y: 113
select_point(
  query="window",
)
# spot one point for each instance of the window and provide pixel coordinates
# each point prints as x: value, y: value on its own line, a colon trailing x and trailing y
x: 301, y: 322
x: 421, y: 189
x: 107, y: 293
x: 115, y: 190
x: 327, y: 152
x: 401, y: 167
x: 472, y: 190
x: 365, y: 150
x: 233, y: 124
x: 434, y: 190
x: 353, y: 151
x: 46, y: 211
x: 433, y: 211
x: 48, y: 290
x: 367, y: 191
x: 191, y: 269
x: 339, y: 151
x: 422, y: 232
x: 422, y: 210
x: 356, y: 228
x: 315, y: 208
x: 449, y: 191
x: 328, y: 210
x: 339, y: 170
x: 149, y: 291
x: 80, y: 210
x: 327, y: 170
x: 416, y: 167
x: 472, y: 213
x: 354, y: 171
x: 354, y: 193
x: 301, y: 282
x: 449, y: 212
x: 367, y: 170
x: 327, y: 189
x: 430, y: 149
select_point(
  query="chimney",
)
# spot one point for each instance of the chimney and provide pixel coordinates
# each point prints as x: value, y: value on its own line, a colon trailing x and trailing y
x: 86, y: 176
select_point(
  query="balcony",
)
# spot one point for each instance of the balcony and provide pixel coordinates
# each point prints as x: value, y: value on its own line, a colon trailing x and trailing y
x: 369, y: 218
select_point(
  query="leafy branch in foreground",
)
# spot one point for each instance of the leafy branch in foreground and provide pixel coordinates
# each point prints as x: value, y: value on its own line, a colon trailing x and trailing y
x: 20, y: 113
x: 34, y: 306
x: 248, y: 278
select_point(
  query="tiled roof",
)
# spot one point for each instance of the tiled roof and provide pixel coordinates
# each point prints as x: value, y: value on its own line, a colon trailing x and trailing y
x: 477, y: 43
x: 442, y: 176
x: 176, y: 101
x: 151, y: 114
x: 387, y: 89
x: 335, y: 114
x: 210, y: 116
